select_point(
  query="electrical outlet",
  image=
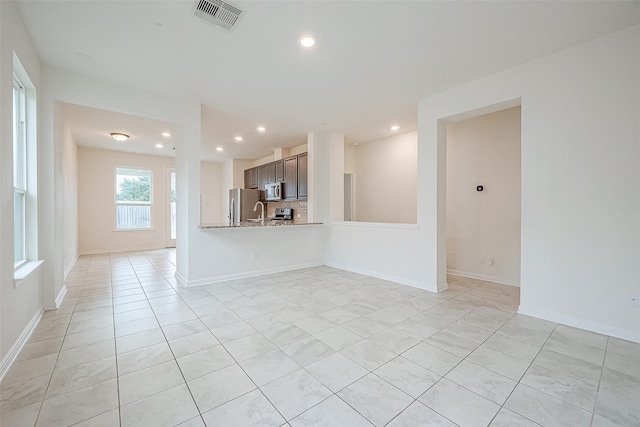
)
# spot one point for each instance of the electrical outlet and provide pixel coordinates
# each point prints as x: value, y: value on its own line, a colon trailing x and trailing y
x: 634, y: 300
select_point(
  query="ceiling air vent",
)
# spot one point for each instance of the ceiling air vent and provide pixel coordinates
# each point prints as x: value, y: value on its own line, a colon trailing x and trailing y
x: 219, y: 12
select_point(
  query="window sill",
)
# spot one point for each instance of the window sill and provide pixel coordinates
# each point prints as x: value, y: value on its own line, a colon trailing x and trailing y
x: 24, y: 271
x: 126, y: 230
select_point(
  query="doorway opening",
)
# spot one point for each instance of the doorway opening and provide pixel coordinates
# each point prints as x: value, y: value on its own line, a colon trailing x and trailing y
x: 171, y: 206
x: 349, y: 197
x: 483, y: 197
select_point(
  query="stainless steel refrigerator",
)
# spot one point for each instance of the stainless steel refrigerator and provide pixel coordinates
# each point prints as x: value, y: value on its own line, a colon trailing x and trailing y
x: 241, y: 203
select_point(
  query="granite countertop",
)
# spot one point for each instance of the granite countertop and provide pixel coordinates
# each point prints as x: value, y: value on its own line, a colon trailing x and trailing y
x: 251, y: 224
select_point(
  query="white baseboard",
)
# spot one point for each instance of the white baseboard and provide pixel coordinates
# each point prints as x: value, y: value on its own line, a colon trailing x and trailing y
x: 69, y: 269
x: 13, y: 352
x: 390, y: 277
x: 58, y: 300
x: 118, y: 250
x: 215, y: 279
x: 625, y: 334
x: 60, y: 296
x: 485, y: 277
x: 182, y: 281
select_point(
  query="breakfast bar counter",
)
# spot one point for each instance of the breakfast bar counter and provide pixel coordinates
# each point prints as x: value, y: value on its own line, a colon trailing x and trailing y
x: 253, y: 224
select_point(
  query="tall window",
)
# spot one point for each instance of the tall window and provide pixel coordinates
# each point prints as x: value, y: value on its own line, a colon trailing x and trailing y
x: 133, y: 199
x: 19, y: 173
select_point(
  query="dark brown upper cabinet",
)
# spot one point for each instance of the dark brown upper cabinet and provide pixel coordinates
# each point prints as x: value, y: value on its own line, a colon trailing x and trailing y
x: 251, y: 178
x: 291, y: 178
x: 279, y: 170
x: 291, y: 171
x: 303, y: 187
x: 271, y: 173
x: 263, y: 179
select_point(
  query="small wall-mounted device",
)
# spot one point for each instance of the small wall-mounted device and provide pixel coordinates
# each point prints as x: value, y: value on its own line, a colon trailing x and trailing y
x: 479, y: 188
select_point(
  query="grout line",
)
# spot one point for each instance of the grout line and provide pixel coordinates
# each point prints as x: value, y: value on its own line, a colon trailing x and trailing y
x: 595, y: 400
x: 522, y: 376
x: 175, y: 359
x: 44, y: 397
x: 145, y: 266
x: 115, y: 344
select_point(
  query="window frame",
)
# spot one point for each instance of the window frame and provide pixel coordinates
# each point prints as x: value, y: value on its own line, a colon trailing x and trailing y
x: 119, y: 203
x: 20, y: 165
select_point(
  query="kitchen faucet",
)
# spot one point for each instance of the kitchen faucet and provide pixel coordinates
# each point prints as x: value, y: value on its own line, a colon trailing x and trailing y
x: 256, y: 208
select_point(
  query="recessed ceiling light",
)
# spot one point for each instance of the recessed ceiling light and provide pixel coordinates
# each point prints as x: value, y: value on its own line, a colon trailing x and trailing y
x: 159, y: 145
x: 237, y: 138
x: 166, y: 134
x: 395, y: 127
x: 219, y: 149
x: 261, y: 128
x: 307, y: 41
x: 120, y: 137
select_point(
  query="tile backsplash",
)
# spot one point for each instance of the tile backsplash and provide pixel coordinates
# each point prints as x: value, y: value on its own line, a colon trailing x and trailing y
x: 300, y: 209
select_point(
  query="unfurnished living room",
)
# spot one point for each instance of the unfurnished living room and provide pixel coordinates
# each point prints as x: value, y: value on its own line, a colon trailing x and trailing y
x: 319, y: 213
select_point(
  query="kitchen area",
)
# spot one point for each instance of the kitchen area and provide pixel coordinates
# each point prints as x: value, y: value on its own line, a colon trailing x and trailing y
x: 272, y: 193
x: 223, y: 249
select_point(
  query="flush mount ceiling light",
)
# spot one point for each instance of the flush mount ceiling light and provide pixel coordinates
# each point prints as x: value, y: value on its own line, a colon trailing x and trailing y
x: 395, y: 127
x: 237, y: 138
x: 219, y: 149
x: 261, y: 129
x: 120, y: 137
x: 166, y: 134
x: 307, y: 41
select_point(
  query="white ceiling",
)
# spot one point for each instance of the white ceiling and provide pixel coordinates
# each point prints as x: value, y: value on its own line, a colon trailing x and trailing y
x: 91, y: 127
x: 372, y: 62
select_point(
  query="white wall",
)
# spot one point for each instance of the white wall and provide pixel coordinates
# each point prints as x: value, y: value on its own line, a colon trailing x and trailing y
x: 96, y: 201
x: 239, y: 166
x: 485, y: 225
x: 286, y: 152
x: 298, y: 149
x: 580, y: 201
x: 349, y: 158
x: 232, y: 177
x: 580, y: 198
x: 19, y: 306
x: 386, y: 174
x: 211, y: 188
x: 263, y: 161
x: 70, y: 196
x: 231, y: 253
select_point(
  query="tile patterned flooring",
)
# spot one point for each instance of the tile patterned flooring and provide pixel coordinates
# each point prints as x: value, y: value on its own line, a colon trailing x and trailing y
x: 311, y: 347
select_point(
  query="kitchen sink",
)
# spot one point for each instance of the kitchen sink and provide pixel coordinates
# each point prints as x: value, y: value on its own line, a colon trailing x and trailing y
x: 259, y: 219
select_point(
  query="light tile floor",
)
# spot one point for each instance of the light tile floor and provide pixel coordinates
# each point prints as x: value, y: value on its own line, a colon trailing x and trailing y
x: 312, y: 347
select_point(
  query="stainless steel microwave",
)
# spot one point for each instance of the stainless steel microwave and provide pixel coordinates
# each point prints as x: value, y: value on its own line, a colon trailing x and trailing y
x: 273, y: 191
